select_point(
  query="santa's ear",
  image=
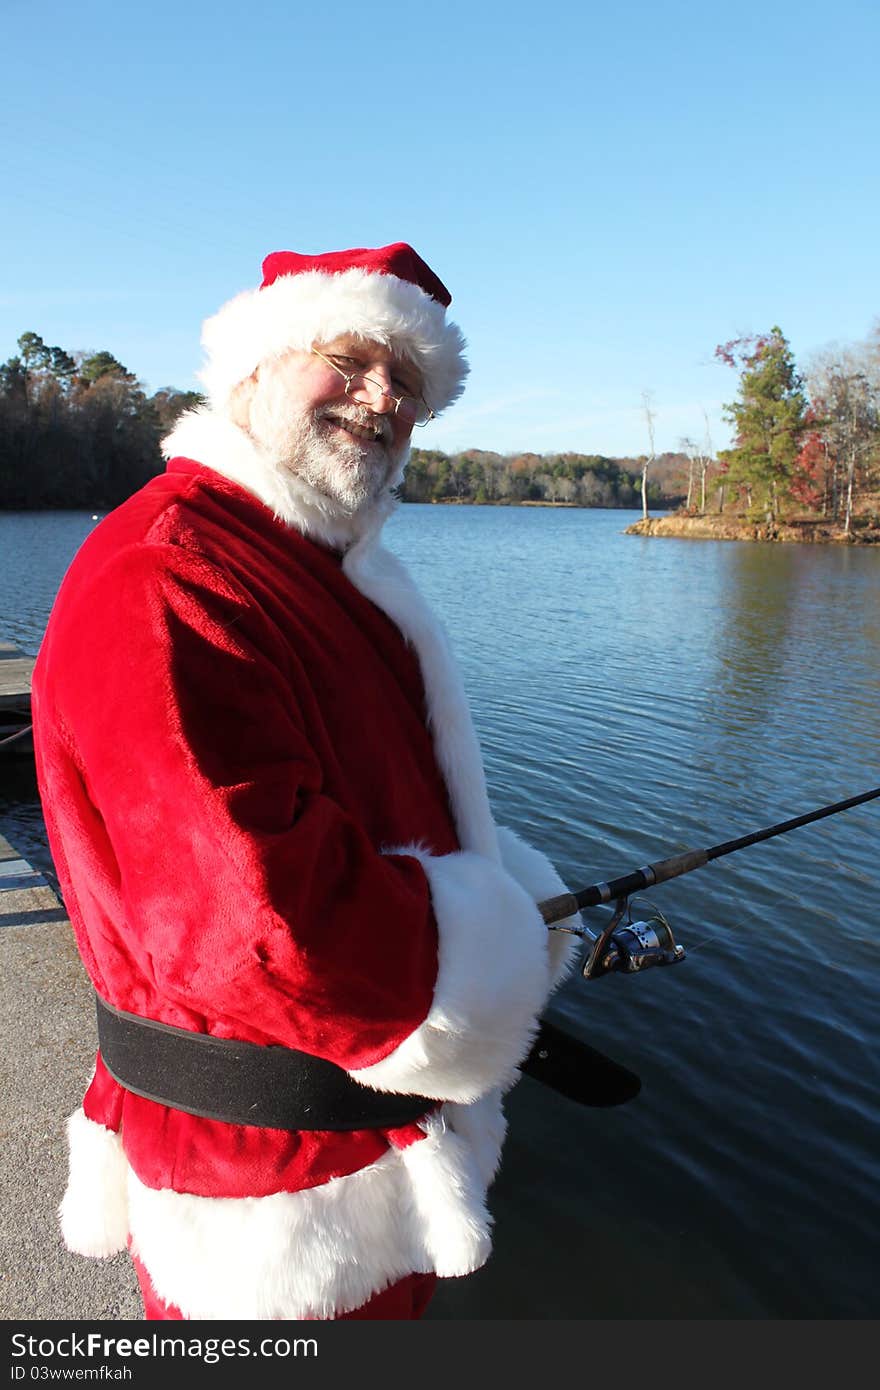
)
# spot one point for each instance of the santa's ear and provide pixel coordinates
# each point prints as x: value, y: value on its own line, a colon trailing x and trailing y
x: 240, y: 399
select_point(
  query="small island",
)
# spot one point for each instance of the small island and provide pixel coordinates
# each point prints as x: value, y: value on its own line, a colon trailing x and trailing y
x: 720, y: 526
x: 804, y: 465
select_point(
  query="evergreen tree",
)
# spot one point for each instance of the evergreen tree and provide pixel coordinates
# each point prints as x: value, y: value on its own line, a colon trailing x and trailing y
x: 62, y: 366
x: 34, y: 353
x: 101, y: 364
x: 769, y: 420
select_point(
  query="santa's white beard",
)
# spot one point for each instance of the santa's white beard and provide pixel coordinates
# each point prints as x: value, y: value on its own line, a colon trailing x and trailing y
x: 350, y: 473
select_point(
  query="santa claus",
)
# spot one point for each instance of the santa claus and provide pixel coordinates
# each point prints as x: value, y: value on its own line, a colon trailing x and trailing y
x: 317, y: 960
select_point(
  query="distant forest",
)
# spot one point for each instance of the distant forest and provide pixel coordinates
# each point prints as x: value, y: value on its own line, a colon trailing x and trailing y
x: 578, y: 480
x: 78, y: 431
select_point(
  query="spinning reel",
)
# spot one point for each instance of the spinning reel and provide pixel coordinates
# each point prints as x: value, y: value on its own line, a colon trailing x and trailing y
x: 626, y: 946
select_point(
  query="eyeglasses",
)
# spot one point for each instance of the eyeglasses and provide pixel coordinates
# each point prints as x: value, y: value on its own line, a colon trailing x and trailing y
x: 413, y: 410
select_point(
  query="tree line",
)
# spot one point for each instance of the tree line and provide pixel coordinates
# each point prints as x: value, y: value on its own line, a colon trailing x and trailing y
x: 580, y: 480
x: 78, y: 430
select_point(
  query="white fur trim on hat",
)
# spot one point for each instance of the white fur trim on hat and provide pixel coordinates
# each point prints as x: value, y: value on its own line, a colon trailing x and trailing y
x: 297, y: 311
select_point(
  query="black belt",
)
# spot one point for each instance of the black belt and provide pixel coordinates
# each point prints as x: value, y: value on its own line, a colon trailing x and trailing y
x: 242, y: 1083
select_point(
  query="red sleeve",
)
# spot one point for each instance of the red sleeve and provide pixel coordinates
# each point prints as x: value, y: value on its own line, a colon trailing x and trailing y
x: 217, y: 883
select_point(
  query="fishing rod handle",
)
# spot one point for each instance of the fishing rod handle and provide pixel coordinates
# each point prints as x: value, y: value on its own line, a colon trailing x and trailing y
x: 555, y: 909
x: 566, y: 904
x: 666, y: 869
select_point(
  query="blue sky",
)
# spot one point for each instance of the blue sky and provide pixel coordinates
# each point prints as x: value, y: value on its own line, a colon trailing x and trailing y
x: 607, y: 191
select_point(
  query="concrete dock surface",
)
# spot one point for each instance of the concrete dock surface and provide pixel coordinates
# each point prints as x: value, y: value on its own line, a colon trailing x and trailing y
x: 48, y: 1027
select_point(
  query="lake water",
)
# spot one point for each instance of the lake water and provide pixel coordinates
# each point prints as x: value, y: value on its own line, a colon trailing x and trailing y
x: 636, y: 697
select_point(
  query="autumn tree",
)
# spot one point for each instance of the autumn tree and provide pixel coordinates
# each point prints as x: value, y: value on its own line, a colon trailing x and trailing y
x: 768, y: 419
x: 810, y: 479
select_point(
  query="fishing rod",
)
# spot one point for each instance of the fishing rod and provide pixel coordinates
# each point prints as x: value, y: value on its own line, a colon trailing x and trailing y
x: 633, y: 946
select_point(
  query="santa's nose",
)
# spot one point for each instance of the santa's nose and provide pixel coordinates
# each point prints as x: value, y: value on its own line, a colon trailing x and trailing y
x: 376, y: 391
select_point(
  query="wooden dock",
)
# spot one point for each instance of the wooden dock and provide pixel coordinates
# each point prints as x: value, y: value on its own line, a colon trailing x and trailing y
x: 16, y: 670
x: 15, y: 678
x: 26, y: 899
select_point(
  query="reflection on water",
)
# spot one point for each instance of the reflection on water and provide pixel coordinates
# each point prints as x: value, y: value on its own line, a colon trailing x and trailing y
x: 796, y: 649
x: 635, y: 697
x: 751, y: 652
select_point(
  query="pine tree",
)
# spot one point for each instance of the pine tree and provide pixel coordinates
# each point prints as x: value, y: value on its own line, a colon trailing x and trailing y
x: 769, y: 420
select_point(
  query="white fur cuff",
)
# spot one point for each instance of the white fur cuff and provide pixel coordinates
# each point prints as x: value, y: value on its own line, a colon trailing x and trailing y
x: 531, y: 868
x: 492, y: 979
x: 94, y: 1209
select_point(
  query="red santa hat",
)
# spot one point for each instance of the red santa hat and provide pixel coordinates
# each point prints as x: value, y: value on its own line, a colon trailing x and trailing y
x: 388, y: 294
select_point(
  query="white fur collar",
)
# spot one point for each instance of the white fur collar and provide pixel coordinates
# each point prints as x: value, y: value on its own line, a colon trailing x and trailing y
x: 386, y: 581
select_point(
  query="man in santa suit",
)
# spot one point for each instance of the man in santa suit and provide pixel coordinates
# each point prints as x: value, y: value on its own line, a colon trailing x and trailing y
x: 317, y: 960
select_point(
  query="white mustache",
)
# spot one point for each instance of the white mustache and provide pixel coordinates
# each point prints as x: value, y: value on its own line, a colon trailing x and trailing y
x: 359, y: 415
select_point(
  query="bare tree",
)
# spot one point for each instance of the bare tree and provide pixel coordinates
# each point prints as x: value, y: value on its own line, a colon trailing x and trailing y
x: 845, y: 390
x: 858, y: 433
x: 704, y: 459
x: 699, y: 457
x: 650, y: 416
x: 687, y: 447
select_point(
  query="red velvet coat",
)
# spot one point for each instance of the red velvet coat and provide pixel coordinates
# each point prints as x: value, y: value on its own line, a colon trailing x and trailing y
x: 259, y: 835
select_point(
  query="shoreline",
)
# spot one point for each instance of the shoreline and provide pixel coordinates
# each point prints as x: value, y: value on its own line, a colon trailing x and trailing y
x: 528, y: 502
x: 721, y: 528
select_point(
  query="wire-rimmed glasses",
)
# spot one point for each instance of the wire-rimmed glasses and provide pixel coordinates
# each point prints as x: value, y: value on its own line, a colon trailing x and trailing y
x: 413, y: 410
